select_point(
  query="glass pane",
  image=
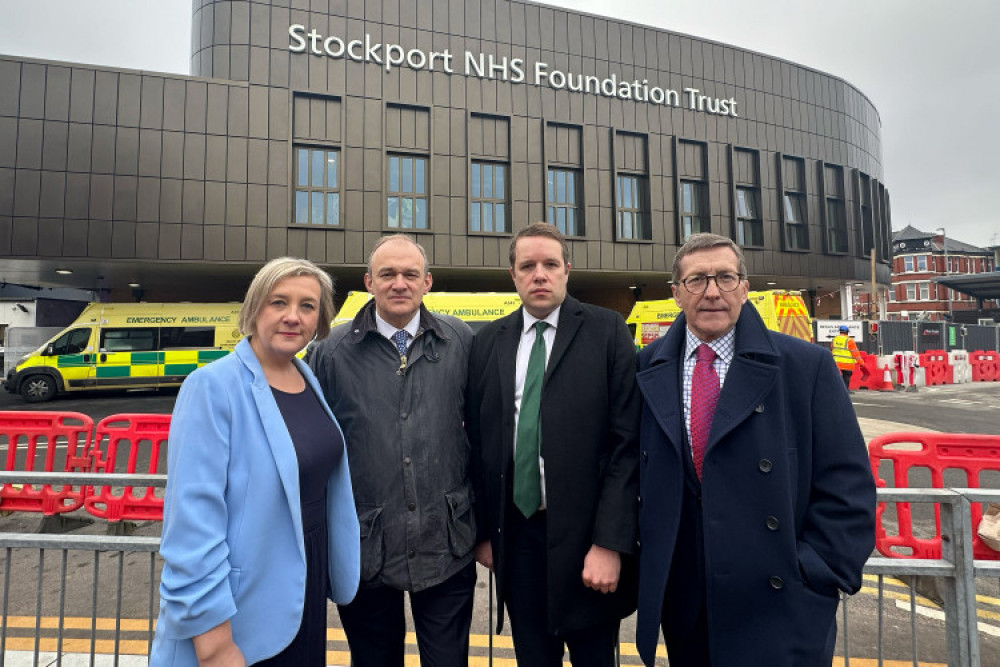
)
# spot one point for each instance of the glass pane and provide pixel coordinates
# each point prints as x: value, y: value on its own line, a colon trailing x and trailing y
x: 419, y: 166
x: 686, y: 197
x: 318, y: 160
x: 474, y: 217
x: 686, y: 224
x: 561, y: 220
x: 331, y: 169
x: 741, y: 203
x: 500, y: 217
x: 561, y: 187
x: 487, y: 218
x: 571, y: 222
x: 487, y: 181
x: 394, y: 174
x: 550, y: 215
x: 639, y: 227
x: 618, y: 192
x: 302, y: 166
x: 332, y: 208
x: 501, y: 174
x: 406, y: 175
x: 789, y: 211
x: 301, y: 206
x: 627, y: 225
x: 627, y: 196
x: 476, y: 189
x: 392, y: 218
x: 551, y: 186
x: 316, y: 209
x: 420, y: 213
x: 406, y: 212
x: 571, y: 187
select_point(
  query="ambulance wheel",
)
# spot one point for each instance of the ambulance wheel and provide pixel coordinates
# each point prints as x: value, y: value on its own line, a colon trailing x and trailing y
x: 38, y: 388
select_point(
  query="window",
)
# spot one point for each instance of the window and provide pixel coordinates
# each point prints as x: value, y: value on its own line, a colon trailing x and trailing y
x: 796, y: 232
x: 911, y: 292
x: 317, y: 186
x: 694, y: 216
x: 406, y: 201
x: 835, y: 211
x: 562, y: 203
x: 892, y: 295
x: 750, y: 228
x: 867, y: 230
x: 925, y: 291
x: 72, y: 342
x: 129, y: 340
x: 793, y: 205
x: 632, y: 222
x: 183, y: 337
x: 922, y: 263
x: 908, y: 263
x: 745, y: 165
x: 488, y: 209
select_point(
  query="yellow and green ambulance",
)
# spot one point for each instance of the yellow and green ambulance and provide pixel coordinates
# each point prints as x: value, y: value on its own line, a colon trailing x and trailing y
x: 475, y: 308
x: 127, y: 345
x: 781, y: 310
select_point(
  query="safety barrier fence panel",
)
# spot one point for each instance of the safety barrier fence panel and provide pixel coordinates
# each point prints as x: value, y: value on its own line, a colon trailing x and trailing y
x: 140, y: 434
x: 80, y: 598
x: 948, y: 460
x: 47, y: 442
x: 63, y: 442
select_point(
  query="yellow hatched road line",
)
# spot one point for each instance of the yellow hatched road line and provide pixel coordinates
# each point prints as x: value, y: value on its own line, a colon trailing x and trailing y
x: 980, y: 599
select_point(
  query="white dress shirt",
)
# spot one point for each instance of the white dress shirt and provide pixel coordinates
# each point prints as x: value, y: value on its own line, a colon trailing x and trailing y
x: 387, y: 330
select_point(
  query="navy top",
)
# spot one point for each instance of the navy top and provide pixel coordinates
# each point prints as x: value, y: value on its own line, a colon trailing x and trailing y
x: 318, y: 445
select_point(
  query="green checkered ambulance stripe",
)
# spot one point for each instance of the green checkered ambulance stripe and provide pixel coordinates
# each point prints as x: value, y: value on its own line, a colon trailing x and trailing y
x: 137, y: 360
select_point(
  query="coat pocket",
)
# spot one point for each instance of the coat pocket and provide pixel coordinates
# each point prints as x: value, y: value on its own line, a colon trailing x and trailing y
x: 461, y: 521
x: 372, y: 548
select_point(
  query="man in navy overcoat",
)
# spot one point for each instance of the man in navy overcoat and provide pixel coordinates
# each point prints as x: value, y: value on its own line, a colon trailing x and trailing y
x: 743, y: 563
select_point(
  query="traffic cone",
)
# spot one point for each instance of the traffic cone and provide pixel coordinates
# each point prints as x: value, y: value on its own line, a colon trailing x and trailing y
x: 886, y: 380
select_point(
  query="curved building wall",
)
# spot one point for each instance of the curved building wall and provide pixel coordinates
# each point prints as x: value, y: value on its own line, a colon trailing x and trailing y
x: 311, y: 128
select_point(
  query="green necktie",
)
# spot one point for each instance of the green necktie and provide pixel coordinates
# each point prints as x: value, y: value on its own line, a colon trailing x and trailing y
x: 527, y: 479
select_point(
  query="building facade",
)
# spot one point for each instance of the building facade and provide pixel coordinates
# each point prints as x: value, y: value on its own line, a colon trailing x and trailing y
x: 311, y: 127
x: 920, y: 257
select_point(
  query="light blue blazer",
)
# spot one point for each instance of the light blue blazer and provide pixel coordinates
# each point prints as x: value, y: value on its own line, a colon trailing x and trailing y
x: 232, y: 539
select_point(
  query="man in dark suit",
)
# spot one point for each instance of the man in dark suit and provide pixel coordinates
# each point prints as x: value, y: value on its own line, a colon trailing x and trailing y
x: 552, y: 416
x: 758, y: 502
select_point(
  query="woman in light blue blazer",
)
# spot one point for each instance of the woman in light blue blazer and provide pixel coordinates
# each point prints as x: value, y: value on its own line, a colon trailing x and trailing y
x: 259, y: 526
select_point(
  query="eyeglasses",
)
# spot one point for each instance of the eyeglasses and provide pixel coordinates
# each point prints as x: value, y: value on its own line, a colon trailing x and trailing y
x: 726, y: 282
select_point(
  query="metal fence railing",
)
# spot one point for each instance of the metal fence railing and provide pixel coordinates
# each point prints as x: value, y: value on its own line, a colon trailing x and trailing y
x: 94, y: 597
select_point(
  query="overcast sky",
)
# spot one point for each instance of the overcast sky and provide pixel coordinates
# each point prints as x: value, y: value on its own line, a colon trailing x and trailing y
x: 932, y: 69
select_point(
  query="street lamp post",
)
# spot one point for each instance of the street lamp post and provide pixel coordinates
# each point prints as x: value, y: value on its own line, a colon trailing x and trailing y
x: 947, y: 272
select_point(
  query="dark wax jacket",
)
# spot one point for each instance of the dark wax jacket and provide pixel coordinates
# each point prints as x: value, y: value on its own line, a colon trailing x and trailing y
x: 408, y: 449
x: 784, y: 516
x: 589, y: 417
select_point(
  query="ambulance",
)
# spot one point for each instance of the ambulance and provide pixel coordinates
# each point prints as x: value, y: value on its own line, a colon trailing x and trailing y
x: 126, y: 346
x: 476, y: 309
x: 781, y: 310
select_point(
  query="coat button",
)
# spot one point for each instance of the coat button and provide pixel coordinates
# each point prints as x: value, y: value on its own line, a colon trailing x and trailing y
x: 759, y: 408
x: 764, y: 465
x: 406, y: 461
x: 772, y: 523
x: 404, y: 415
x: 777, y: 583
x: 411, y: 507
x: 413, y: 554
x: 639, y: 499
x: 645, y: 456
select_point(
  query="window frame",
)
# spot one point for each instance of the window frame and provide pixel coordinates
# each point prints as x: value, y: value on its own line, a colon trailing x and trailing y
x: 799, y: 242
x: 638, y: 213
x: 400, y: 194
x: 748, y: 226
x: 310, y: 189
x: 571, y: 208
x: 481, y: 201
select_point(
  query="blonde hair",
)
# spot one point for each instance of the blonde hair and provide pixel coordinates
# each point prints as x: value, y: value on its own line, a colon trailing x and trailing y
x: 270, y: 275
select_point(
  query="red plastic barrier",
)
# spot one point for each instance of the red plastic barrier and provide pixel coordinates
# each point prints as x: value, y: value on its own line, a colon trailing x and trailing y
x: 44, y: 442
x: 935, y: 365
x: 985, y: 366
x: 141, y: 433
x: 869, y: 375
x: 936, y: 453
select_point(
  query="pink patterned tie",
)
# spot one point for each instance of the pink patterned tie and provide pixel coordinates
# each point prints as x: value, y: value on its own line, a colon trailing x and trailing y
x: 704, y: 396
